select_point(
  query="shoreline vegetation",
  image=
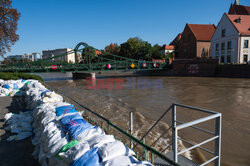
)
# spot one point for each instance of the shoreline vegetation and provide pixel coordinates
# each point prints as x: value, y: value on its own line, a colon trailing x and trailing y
x: 16, y: 76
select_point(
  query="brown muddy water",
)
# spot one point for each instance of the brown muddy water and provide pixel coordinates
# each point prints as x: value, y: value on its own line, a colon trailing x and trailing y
x: 231, y: 97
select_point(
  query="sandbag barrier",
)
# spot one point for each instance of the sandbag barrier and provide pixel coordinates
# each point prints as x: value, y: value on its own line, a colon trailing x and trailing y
x: 61, y: 135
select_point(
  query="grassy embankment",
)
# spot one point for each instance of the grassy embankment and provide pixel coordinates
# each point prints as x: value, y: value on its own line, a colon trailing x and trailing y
x: 16, y: 76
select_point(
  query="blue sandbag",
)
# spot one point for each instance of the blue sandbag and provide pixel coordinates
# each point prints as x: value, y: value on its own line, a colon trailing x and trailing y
x: 65, y: 109
x: 43, y: 93
x: 22, y: 80
x: 90, y: 158
x: 69, y: 118
x: 76, y: 127
x: 6, y: 86
x: 15, y: 86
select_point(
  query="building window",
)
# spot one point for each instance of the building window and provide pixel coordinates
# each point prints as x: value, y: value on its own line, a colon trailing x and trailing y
x: 245, y: 60
x: 217, y: 46
x: 223, y: 32
x: 222, y: 59
x: 245, y: 43
x: 229, y: 45
x: 228, y: 58
x: 222, y: 46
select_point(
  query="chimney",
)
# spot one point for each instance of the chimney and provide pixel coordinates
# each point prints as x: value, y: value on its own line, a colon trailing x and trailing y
x: 237, y: 2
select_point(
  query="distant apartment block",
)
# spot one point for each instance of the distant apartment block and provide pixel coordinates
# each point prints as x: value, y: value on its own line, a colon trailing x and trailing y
x: 37, y: 56
x: 70, y: 58
x: 230, y: 42
x: 20, y: 57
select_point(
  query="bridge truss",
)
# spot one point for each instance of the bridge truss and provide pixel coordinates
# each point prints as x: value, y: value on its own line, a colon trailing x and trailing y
x: 90, y: 62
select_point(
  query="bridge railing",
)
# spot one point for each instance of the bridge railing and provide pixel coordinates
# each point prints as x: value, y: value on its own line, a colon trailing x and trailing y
x: 173, y: 126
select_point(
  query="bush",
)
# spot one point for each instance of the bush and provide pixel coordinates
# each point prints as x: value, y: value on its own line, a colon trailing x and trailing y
x: 16, y: 76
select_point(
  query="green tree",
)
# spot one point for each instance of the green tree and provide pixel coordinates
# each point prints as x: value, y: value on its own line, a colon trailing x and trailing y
x: 136, y: 48
x: 156, y: 54
x: 8, y: 26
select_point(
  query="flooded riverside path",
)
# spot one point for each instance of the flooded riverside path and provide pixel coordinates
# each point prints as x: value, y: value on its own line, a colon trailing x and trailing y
x: 231, y: 97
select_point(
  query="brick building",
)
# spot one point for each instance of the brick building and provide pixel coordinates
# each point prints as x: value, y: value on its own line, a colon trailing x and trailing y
x: 195, y: 41
x: 237, y: 9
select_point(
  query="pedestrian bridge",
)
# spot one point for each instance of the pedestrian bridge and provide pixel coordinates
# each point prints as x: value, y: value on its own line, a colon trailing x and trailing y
x: 90, y: 62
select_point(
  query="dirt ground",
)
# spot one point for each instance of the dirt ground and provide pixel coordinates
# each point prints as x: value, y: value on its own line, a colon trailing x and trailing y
x: 14, y: 153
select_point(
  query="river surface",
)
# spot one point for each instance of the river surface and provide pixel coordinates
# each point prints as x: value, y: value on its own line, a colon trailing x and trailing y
x: 231, y: 97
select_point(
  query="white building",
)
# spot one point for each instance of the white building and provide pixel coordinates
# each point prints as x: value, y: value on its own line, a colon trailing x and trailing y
x: 20, y: 57
x: 70, y: 58
x: 36, y: 56
x: 167, y: 49
x: 230, y: 42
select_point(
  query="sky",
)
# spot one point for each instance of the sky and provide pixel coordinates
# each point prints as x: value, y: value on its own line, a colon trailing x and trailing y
x: 52, y: 24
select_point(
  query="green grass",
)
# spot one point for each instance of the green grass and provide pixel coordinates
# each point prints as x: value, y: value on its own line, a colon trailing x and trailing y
x: 16, y: 76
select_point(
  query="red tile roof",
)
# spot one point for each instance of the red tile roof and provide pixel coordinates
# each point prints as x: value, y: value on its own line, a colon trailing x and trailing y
x: 239, y: 10
x: 202, y: 32
x: 168, y: 47
x: 243, y: 26
x: 97, y: 52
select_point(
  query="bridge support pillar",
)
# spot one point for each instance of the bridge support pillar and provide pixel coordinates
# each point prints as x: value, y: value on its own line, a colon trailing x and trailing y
x: 83, y: 75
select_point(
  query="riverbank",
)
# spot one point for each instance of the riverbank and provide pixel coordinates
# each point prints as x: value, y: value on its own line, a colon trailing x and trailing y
x: 15, y: 152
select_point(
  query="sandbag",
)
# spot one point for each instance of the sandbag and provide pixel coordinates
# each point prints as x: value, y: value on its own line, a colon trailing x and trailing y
x: 98, y: 140
x: 114, y: 149
x: 65, y: 109
x: 75, y: 152
x: 88, y: 133
x: 56, y: 147
x: 121, y: 161
x: 66, y: 147
x: 76, y: 127
x: 69, y: 118
x: 90, y: 158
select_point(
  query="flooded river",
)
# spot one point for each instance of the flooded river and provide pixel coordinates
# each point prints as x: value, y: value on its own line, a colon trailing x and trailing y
x: 231, y: 97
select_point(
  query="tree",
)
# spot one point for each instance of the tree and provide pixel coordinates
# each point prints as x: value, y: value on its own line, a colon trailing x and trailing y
x: 8, y: 26
x: 136, y: 48
x: 156, y: 54
x: 113, y: 49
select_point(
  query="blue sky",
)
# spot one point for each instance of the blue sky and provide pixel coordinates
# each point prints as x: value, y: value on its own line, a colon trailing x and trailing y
x: 50, y: 24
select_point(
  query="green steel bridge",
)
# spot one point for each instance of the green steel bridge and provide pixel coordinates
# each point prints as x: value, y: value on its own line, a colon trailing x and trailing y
x: 91, y: 62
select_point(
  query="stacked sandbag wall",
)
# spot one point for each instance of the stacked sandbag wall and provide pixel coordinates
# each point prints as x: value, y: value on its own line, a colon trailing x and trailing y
x: 60, y: 134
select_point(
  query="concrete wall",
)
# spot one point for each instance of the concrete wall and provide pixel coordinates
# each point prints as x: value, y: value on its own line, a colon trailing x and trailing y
x: 234, y: 70
x: 195, y: 67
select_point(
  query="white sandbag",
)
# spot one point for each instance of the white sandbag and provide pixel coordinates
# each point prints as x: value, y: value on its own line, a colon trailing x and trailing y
x: 75, y: 152
x: 52, y: 139
x: 114, y: 149
x: 89, y: 133
x: 56, y: 147
x: 8, y: 116
x: 121, y: 161
x: 99, y: 140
